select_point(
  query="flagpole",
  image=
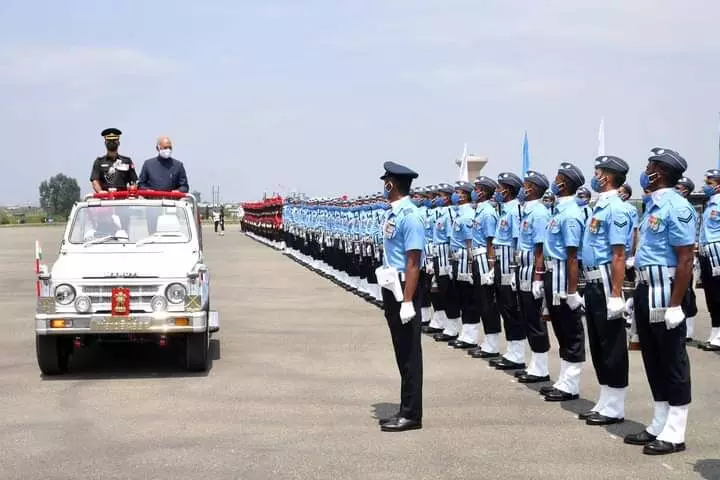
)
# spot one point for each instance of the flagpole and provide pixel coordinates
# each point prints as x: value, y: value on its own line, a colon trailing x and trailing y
x: 525, y: 155
x: 718, y: 159
x: 601, y: 138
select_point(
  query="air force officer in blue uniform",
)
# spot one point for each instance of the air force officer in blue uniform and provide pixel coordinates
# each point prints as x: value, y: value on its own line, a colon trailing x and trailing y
x: 404, y: 244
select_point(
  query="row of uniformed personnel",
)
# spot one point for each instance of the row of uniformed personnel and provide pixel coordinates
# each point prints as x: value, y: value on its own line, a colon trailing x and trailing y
x: 497, y: 254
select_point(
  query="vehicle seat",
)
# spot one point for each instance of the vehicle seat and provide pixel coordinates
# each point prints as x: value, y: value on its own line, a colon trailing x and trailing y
x: 168, y: 223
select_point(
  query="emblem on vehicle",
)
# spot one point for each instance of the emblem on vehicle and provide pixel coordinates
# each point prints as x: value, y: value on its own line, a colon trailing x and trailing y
x: 120, y: 301
x: 121, y: 274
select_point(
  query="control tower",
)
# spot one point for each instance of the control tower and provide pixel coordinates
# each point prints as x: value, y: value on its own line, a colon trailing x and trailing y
x: 474, y: 164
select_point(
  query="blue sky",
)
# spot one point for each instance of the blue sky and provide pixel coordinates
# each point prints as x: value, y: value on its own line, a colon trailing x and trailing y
x: 316, y: 95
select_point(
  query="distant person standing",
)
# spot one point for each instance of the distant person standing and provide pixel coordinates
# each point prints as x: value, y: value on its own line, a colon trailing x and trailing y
x: 163, y: 172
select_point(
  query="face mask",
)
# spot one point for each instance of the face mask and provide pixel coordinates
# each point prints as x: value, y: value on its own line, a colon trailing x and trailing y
x: 474, y: 196
x: 165, y: 152
x: 439, y: 202
x: 416, y: 201
x: 581, y: 201
x: 596, y: 185
x: 548, y: 205
x: 428, y: 203
x: 386, y: 190
x: 555, y: 188
x: 112, y: 146
x: 522, y: 195
x: 647, y: 180
x: 455, y: 198
x: 708, y: 190
x: 499, y: 197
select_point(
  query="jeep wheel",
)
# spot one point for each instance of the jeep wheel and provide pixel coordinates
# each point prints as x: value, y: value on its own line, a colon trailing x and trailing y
x: 197, y: 351
x: 53, y: 354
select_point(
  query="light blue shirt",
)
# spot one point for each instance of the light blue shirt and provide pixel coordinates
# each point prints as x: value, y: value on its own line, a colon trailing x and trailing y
x: 634, y: 223
x: 565, y: 229
x: 403, y: 230
x: 670, y: 222
x: 508, y: 225
x: 710, y: 229
x: 484, y: 224
x: 610, y: 224
x: 462, y: 227
x: 443, y: 226
x: 533, y: 224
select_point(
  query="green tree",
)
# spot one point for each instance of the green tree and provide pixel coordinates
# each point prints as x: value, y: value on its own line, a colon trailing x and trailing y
x: 197, y: 195
x: 58, y: 194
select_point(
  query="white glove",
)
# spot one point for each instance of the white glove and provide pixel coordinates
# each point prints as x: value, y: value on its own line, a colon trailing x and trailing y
x: 407, y: 312
x: 574, y: 301
x: 630, y: 262
x: 630, y: 306
x: 538, y: 289
x: 513, y: 284
x: 488, y: 278
x: 615, y: 307
x: 674, y: 316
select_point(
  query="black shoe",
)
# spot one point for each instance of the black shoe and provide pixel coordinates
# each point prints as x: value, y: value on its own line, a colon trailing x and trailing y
x: 602, y: 420
x: 640, y: 438
x: 527, y: 378
x: 586, y: 415
x: 560, y: 396
x: 709, y: 347
x: 401, y: 425
x: 442, y: 337
x: 462, y: 345
x: 661, y: 447
x: 520, y: 373
x: 424, y: 324
x: 546, y: 389
x: 431, y: 330
x: 483, y: 354
x: 385, y: 421
x: 505, y: 364
x: 474, y: 351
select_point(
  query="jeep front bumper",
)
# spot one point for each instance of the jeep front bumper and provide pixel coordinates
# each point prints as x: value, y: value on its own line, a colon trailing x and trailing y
x: 98, y: 323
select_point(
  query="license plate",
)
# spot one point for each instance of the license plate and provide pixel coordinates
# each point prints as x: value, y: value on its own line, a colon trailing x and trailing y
x: 118, y: 324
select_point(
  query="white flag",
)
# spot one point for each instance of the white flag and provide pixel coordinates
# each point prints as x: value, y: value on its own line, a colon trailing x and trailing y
x: 463, y: 173
x: 601, y: 138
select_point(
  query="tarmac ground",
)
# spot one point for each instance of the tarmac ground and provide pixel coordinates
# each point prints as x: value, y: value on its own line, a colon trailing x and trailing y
x: 301, y: 372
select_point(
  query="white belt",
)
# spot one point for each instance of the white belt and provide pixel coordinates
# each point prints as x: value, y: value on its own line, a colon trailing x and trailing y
x: 548, y: 265
x: 643, y: 274
x: 593, y: 275
x: 479, y: 251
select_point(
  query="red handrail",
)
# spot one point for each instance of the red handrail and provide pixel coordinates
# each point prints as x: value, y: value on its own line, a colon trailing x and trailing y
x: 134, y: 193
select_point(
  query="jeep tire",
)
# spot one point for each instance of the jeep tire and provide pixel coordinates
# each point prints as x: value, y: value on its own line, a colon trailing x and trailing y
x: 197, y: 351
x: 53, y: 353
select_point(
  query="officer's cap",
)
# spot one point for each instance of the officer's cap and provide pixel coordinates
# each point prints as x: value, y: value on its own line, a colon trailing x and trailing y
x: 613, y: 164
x: 464, y: 186
x: 509, y: 178
x: 713, y: 173
x: 111, y: 134
x: 445, y: 188
x: 687, y: 183
x: 537, y: 178
x: 583, y: 192
x: 627, y: 188
x: 487, y: 182
x: 572, y: 173
x: 669, y: 158
x: 394, y: 170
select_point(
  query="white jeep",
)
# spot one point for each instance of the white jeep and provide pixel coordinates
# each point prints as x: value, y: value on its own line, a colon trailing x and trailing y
x: 130, y: 268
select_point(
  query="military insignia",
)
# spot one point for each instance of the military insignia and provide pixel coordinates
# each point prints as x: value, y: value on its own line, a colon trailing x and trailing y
x: 525, y: 225
x: 654, y: 223
x: 46, y: 305
x: 620, y: 224
x: 504, y: 224
x: 120, y: 301
x: 594, y: 225
x: 687, y: 219
x: 714, y: 214
x: 440, y: 226
x: 389, y: 228
x: 192, y: 303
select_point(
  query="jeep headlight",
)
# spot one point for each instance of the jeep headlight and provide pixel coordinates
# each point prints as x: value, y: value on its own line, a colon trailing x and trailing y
x: 64, y: 294
x: 175, y: 293
x: 158, y: 304
x: 83, y: 304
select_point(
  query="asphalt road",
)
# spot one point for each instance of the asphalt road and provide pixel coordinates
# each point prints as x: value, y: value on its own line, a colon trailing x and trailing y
x: 302, y: 369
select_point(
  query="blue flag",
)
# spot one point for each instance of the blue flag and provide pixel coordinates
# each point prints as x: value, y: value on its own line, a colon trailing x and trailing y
x: 718, y: 160
x: 525, y: 156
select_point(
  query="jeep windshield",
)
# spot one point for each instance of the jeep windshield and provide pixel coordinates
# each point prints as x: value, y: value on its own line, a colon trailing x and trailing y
x: 138, y: 224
